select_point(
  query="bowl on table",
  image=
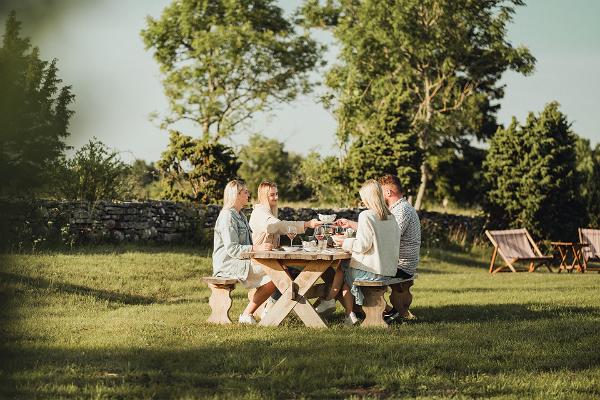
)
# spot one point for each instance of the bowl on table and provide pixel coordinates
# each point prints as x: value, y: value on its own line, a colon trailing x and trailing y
x: 309, y: 246
x: 327, y: 218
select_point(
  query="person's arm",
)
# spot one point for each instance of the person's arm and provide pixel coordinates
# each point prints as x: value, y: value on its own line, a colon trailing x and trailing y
x: 262, y: 220
x: 364, y: 236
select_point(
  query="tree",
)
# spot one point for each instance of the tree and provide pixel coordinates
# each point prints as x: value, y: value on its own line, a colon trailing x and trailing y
x: 592, y: 185
x: 264, y: 158
x: 225, y: 60
x: 327, y: 179
x: 422, y: 59
x: 380, y: 153
x: 94, y: 173
x: 458, y: 175
x: 34, y: 114
x: 531, y: 172
x: 196, y: 169
x: 144, y: 179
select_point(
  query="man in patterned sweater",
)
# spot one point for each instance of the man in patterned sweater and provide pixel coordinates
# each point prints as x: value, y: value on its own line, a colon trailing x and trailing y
x: 410, y: 245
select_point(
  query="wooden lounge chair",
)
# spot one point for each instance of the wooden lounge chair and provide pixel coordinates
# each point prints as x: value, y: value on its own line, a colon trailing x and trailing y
x: 591, y: 252
x: 516, y: 245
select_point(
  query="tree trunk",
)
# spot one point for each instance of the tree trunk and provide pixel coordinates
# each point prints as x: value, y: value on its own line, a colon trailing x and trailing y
x: 424, y: 144
x: 422, y: 185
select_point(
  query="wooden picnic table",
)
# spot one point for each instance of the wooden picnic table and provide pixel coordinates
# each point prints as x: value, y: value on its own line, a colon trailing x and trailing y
x: 574, y: 250
x: 296, y: 292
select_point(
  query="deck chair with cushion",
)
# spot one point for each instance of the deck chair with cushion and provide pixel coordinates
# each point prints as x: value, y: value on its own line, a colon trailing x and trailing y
x: 514, y: 246
x: 591, y: 252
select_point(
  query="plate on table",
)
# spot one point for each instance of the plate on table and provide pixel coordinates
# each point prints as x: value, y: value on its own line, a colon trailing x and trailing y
x: 290, y: 248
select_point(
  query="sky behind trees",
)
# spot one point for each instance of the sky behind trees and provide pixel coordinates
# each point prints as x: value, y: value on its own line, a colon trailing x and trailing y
x: 117, y: 82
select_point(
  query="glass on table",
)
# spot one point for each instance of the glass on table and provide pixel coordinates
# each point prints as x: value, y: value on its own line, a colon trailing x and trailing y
x: 291, y: 233
x: 320, y: 236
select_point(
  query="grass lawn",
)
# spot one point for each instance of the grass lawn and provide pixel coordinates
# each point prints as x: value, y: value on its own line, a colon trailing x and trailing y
x: 131, y: 324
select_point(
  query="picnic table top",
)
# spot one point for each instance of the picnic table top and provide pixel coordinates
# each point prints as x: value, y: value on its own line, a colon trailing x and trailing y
x: 329, y: 254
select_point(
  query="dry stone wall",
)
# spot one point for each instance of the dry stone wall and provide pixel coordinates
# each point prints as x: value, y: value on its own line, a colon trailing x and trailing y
x: 71, y: 223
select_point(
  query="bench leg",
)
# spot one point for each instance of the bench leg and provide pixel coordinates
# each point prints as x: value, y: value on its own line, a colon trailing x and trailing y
x: 373, y: 306
x: 220, y: 303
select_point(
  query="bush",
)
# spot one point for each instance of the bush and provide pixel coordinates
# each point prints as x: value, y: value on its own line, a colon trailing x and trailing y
x: 94, y: 173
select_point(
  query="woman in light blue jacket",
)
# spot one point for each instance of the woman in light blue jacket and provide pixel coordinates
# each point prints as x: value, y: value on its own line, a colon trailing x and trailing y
x: 232, y: 238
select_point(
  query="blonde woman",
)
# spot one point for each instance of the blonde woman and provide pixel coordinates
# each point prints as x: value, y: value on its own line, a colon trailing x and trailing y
x: 266, y: 227
x: 232, y: 238
x: 374, y: 250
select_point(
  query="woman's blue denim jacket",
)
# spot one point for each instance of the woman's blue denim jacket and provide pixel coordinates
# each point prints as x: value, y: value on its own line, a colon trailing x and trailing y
x: 232, y: 238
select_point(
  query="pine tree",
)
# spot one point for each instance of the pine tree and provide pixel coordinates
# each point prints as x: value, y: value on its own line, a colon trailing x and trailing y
x: 531, y: 170
x: 34, y: 114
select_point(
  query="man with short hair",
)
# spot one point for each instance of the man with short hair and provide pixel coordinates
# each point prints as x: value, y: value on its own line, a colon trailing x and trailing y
x: 410, y: 245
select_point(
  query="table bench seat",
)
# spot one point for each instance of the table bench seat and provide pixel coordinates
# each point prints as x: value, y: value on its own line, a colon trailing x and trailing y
x: 374, y: 303
x: 220, y: 298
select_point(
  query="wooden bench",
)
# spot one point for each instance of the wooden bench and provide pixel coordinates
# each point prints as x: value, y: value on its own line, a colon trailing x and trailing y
x: 220, y: 298
x: 374, y: 303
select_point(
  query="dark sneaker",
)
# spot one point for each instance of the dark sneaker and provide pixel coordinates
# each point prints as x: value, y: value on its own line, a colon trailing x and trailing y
x: 392, y: 318
x: 389, y: 312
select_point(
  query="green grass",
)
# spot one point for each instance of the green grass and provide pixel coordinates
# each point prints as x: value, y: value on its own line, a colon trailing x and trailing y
x: 131, y: 324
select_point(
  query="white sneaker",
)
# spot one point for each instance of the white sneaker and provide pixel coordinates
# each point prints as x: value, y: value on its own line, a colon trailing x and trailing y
x: 247, y: 319
x: 325, y: 306
x: 351, y: 319
x: 268, y: 304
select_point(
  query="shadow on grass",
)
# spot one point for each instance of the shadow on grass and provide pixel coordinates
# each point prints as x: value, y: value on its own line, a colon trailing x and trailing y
x: 498, y: 312
x: 100, y: 294
x: 104, y: 249
x: 294, y: 363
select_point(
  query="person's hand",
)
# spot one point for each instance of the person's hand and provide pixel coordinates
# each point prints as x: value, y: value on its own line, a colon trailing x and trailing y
x: 313, y: 223
x: 343, y: 222
x: 338, y: 239
x: 262, y: 247
x: 346, y: 223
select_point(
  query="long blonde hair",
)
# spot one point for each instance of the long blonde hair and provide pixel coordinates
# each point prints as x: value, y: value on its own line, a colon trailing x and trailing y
x: 372, y: 195
x: 263, y: 195
x: 231, y: 193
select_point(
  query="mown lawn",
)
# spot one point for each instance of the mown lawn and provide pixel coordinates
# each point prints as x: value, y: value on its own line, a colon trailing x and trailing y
x: 131, y: 324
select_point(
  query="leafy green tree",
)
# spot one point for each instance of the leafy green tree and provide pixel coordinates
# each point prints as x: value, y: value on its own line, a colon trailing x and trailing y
x: 419, y: 59
x: 264, y: 158
x: 34, y: 115
x: 144, y: 178
x: 531, y: 172
x: 94, y: 173
x: 592, y: 193
x: 380, y: 153
x: 225, y: 60
x: 327, y: 179
x: 458, y: 175
x: 196, y: 169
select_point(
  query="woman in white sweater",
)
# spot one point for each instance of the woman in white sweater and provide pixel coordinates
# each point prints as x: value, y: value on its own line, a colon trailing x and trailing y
x: 265, y: 226
x: 374, y: 250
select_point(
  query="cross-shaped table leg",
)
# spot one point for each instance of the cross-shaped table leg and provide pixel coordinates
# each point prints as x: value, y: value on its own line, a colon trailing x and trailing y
x: 292, y: 292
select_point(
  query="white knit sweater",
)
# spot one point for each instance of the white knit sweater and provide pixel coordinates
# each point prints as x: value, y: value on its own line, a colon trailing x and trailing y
x: 375, y: 248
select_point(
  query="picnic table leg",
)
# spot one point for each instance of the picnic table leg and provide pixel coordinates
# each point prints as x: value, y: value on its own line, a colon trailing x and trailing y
x: 282, y: 281
x: 292, y: 297
x: 304, y: 282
